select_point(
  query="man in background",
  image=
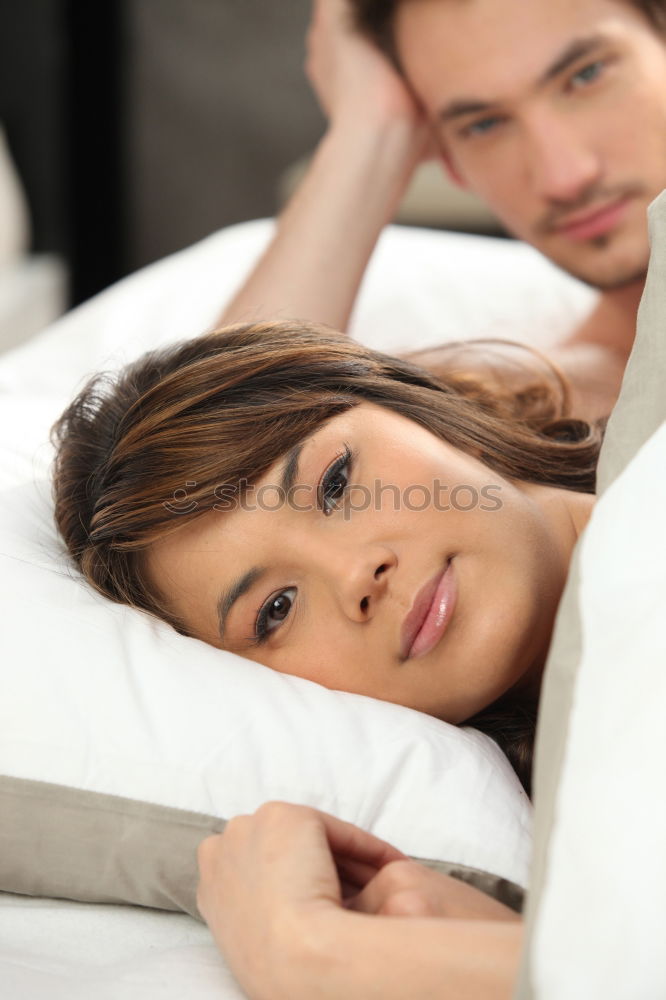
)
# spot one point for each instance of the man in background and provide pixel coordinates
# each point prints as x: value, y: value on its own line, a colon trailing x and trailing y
x: 553, y: 112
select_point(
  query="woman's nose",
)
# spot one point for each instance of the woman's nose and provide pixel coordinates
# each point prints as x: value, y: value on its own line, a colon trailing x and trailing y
x: 364, y: 582
x: 359, y: 577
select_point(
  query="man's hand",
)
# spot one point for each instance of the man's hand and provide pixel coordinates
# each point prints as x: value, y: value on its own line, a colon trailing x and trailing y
x: 377, y: 135
x: 408, y: 889
x: 352, y: 79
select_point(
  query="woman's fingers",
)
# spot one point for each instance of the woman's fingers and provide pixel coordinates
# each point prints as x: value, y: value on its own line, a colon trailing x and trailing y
x: 398, y: 889
x: 351, y: 842
x: 294, y: 845
x: 353, y: 875
x: 406, y: 888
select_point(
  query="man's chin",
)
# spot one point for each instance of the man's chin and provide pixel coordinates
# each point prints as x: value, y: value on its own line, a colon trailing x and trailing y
x: 605, y: 275
x: 611, y: 282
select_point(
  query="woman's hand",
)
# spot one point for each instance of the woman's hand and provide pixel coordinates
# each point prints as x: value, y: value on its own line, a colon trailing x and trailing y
x: 272, y: 891
x: 408, y: 889
x: 265, y: 880
x: 350, y: 76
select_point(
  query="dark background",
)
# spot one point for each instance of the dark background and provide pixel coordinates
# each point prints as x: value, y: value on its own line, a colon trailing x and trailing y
x: 139, y: 126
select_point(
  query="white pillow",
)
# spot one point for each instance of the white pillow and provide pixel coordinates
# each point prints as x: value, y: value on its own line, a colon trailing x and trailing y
x: 129, y: 742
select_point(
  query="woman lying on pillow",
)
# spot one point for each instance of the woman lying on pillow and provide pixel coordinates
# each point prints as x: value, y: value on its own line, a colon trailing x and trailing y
x: 287, y: 494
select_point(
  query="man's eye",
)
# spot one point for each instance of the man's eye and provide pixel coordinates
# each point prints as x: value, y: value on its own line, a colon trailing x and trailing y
x: 273, y: 613
x: 334, y: 482
x: 588, y: 74
x: 481, y: 127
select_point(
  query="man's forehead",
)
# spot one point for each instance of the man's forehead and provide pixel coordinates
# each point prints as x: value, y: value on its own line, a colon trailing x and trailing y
x: 499, y: 45
x: 534, y: 13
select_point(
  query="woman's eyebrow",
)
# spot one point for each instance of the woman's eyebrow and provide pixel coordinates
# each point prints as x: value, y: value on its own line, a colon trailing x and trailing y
x: 290, y: 470
x: 242, y: 584
x: 228, y: 597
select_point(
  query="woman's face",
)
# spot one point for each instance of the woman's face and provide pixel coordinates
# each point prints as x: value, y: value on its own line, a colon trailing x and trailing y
x: 396, y: 566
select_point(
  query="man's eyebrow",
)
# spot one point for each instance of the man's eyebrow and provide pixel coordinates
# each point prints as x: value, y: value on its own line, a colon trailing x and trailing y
x: 462, y: 107
x: 243, y: 583
x: 578, y: 49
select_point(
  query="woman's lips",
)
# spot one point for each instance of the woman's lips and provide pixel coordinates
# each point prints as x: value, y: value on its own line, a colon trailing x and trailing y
x: 596, y: 223
x: 430, y: 614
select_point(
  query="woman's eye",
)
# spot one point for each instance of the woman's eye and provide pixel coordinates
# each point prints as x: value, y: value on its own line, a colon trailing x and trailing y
x: 273, y: 613
x: 334, y: 482
x: 588, y: 74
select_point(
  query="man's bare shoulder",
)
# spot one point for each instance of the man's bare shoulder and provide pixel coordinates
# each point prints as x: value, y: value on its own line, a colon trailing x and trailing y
x: 591, y: 370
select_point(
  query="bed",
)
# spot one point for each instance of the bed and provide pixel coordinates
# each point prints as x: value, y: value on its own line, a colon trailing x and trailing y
x: 116, y: 735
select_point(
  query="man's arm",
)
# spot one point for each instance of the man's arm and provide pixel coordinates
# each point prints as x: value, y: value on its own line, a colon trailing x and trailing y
x: 313, y: 267
x: 595, y: 355
x: 595, y: 374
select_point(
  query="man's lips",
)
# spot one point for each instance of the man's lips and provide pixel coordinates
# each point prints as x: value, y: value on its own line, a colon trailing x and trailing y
x: 430, y: 614
x: 597, y: 222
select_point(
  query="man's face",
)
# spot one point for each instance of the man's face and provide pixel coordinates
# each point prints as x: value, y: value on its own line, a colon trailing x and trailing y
x: 553, y: 112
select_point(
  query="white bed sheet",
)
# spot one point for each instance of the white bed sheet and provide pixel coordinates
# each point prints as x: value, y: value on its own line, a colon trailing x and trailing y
x: 80, y: 951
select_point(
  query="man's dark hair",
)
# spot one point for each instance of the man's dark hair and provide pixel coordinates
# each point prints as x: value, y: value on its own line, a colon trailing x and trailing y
x: 375, y: 18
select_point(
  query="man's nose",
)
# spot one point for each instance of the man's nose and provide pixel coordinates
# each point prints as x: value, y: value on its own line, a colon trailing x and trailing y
x: 561, y: 163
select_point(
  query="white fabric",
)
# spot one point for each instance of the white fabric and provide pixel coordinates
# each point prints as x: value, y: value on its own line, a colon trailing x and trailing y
x: 119, y: 704
x: 32, y: 294
x: 100, y: 697
x: 602, y: 923
x: 79, y: 951
x: 15, y: 229
x: 32, y: 286
x: 108, y: 700
x: 421, y: 288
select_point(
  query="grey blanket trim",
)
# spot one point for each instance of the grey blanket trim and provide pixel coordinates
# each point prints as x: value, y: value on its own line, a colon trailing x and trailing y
x: 68, y: 843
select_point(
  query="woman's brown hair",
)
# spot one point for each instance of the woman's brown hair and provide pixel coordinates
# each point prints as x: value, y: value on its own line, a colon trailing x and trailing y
x: 159, y: 444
